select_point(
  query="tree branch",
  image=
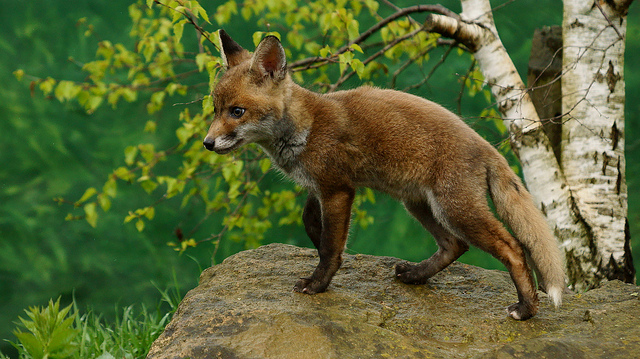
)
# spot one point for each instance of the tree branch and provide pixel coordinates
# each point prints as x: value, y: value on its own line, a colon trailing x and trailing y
x: 439, y: 9
x: 468, y: 34
x: 374, y: 56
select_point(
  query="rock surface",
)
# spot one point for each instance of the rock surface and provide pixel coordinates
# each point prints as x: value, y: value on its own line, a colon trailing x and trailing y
x: 245, y: 308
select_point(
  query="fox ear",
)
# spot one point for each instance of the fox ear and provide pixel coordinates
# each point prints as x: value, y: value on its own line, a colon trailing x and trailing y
x: 232, y: 53
x: 269, y: 59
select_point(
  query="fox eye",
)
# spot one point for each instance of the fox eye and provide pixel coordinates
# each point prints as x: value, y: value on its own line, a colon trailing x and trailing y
x: 236, y: 112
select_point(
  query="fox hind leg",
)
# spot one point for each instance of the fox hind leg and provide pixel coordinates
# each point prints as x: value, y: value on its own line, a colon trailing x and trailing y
x: 457, y: 223
x: 450, y: 248
x: 484, y: 231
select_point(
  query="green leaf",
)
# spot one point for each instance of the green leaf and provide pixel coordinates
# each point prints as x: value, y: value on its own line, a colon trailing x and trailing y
x: 91, y: 215
x: 295, y: 39
x: 150, y: 126
x: 61, y: 337
x: 183, y: 134
x: 234, y: 190
x: 265, y: 164
x: 324, y: 51
x: 31, y: 344
x: 87, y: 194
x: 224, y: 12
x: 257, y: 37
x: 147, y: 151
x: 345, y: 60
x: 201, y: 60
x: 156, y: 102
x: 148, y: 186
x: 353, y: 29
x: 140, y: 225
x: 123, y: 173
x: 178, y: 29
x: 370, y: 195
x: 19, y: 73
x: 358, y: 67
x: 131, y: 216
x: 356, y: 47
x: 207, y: 105
x: 150, y: 212
x: 199, y: 10
x: 110, y: 188
x: 232, y: 170
x: 66, y: 90
x: 46, y: 86
x: 130, y: 154
x: 246, y: 13
x: 104, y: 201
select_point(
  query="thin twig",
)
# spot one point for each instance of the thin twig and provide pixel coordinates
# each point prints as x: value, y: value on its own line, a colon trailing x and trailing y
x: 393, y: 43
x: 609, y: 20
x: 365, y: 35
x: 433, y: 69
x: 466, y: 76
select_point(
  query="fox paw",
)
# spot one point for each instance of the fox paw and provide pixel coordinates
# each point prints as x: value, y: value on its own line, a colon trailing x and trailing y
x: 521, y: 311
x: 309, y: 286
x: 410, y: 274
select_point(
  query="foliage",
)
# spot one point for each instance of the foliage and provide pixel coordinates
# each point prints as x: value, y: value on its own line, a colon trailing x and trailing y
x: 63, y: 333
x: 49, y: 334
x: 163, y: 66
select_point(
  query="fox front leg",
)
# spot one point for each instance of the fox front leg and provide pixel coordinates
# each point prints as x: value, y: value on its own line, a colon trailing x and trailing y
x: 312, y: 219
x: 330, y: 216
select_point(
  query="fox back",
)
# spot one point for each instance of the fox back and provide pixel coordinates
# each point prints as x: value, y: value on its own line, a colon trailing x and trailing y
x: 390, y: 141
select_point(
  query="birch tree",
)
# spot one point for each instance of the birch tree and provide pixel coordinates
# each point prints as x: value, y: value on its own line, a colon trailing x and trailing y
x: 593, y: 138
x: 582, y: 193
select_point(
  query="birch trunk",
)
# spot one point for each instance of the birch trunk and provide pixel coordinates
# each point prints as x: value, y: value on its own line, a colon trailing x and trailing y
x: 593, y: 138
x: 542, y: 173
x: 587, y: 205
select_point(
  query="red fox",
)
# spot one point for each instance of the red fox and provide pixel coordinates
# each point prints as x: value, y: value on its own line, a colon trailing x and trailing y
x: 390, y: 141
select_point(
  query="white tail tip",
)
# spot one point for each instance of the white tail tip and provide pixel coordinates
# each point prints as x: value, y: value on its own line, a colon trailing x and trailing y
x: 555, y: 293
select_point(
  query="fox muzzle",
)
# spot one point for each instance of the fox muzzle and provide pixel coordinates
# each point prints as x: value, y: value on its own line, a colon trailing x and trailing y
x: 209, y: 143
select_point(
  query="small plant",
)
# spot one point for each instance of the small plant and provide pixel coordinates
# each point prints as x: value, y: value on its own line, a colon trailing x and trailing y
x: 50, y: 332
x: 54, y: 333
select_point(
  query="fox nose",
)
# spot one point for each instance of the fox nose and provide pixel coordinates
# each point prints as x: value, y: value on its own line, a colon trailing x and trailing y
x: 209, y: 143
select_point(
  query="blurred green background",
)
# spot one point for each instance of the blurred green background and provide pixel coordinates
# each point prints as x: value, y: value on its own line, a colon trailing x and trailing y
x: 49, y: 149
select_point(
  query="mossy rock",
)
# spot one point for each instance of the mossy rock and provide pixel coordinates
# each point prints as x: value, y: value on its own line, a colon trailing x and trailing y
x: 245, y: 308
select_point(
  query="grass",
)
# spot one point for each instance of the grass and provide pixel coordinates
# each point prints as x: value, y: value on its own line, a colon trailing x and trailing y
x: 50, y: 332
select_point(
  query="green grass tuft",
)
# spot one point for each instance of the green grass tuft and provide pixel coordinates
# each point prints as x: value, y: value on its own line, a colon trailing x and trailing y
x: 53, y: 333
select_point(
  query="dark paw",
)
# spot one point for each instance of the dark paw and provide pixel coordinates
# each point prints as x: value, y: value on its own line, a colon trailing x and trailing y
x: 309, y: 286
x: 409, y: 273
x: 521, y: 311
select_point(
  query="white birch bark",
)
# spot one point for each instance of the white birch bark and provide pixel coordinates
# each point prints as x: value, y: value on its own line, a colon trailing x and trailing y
x: 593, y: 136
x: 596, y: 160
x: 541, y: 170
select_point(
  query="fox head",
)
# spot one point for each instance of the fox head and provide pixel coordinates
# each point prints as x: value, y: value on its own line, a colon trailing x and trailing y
x: 250, y: 96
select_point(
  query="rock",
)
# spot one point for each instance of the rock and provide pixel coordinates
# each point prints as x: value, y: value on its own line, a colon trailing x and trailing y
x: 245, y: 308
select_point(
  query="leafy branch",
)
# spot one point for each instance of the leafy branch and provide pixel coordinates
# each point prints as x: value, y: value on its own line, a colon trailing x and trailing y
x: 325, y: 42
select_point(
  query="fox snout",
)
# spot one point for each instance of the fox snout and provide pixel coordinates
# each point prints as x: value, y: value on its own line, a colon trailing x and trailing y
x: 209, y: 143
x: 223, y: 144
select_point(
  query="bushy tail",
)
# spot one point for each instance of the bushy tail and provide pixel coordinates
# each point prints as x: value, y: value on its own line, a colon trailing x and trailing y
x: 515, y: 206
